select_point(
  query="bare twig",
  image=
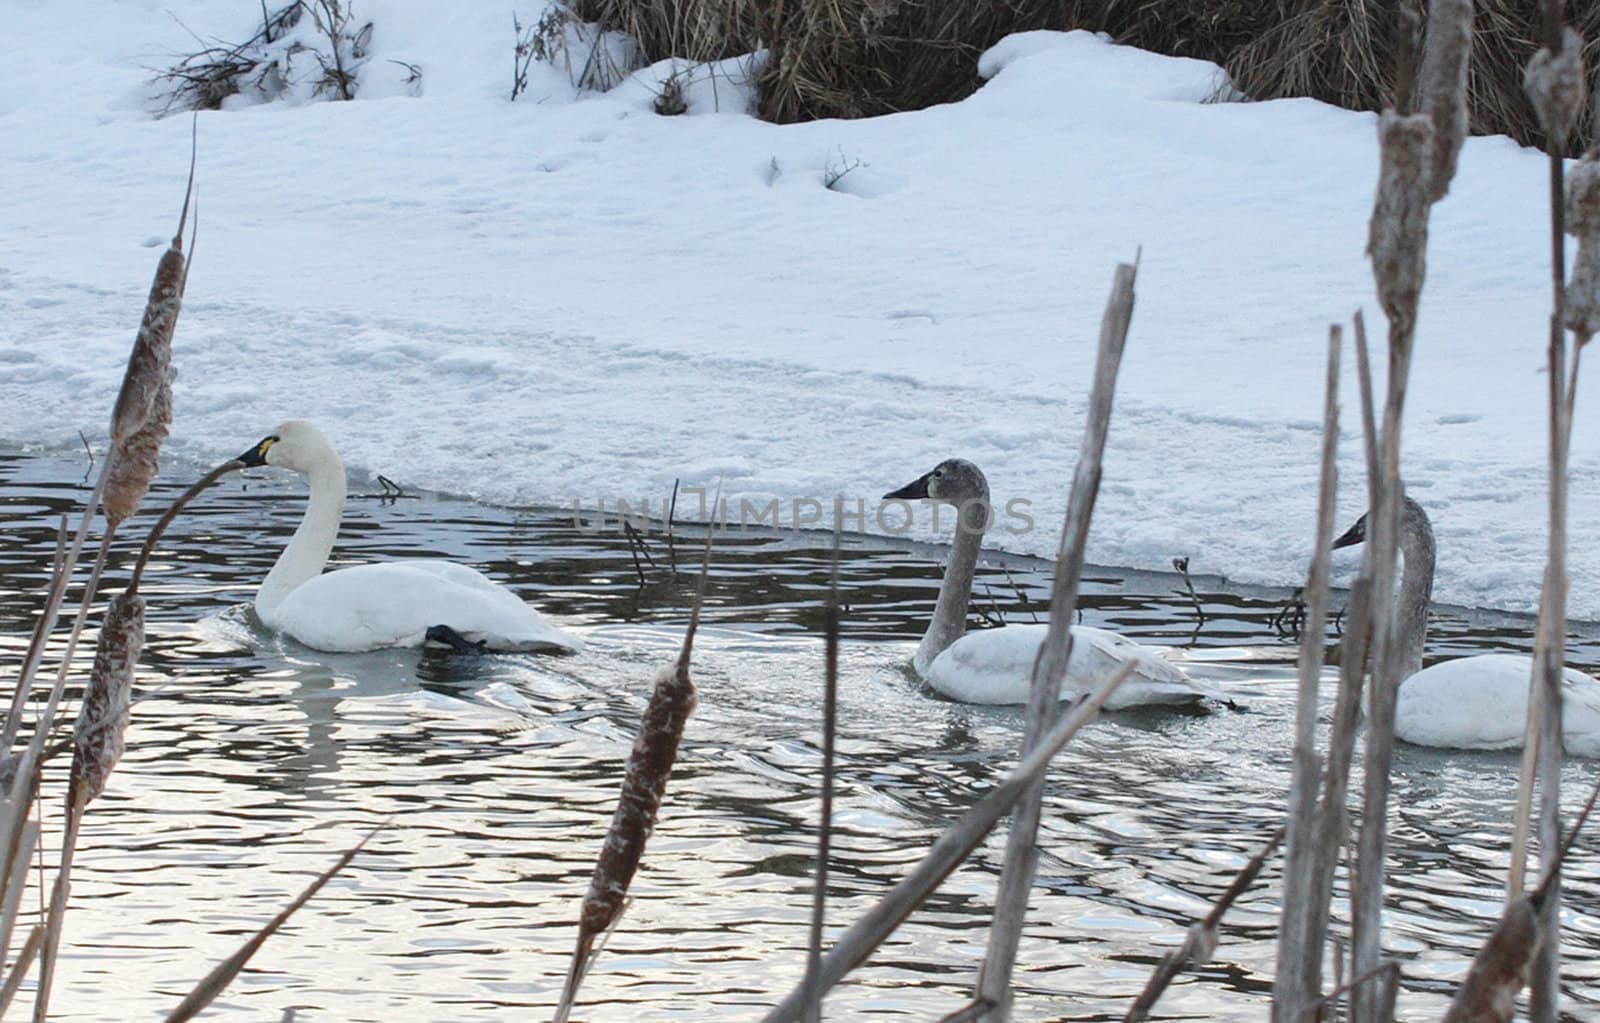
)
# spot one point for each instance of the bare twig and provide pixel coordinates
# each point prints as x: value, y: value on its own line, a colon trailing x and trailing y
x: 1182, y: 566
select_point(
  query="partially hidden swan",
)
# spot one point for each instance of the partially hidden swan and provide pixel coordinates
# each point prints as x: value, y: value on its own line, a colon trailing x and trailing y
x: 1478, y: 702
x: 995, y: 666
x: 384, y: 604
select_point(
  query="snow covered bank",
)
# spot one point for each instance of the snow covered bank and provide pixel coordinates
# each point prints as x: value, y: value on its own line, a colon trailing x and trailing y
x: 573, y: 298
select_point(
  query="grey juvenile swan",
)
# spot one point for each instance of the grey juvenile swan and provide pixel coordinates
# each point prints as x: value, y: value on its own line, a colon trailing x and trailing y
x: 995, y: 665
x: 1476, y: 702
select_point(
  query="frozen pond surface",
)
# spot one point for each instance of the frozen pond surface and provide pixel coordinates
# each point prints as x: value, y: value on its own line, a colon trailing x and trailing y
x: 259, y: 760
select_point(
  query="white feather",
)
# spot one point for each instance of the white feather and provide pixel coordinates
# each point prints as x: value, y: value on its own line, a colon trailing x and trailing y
x: 995, y: 666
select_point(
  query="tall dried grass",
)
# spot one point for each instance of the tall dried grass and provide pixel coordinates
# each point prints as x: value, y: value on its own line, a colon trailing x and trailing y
x: 857, y: 58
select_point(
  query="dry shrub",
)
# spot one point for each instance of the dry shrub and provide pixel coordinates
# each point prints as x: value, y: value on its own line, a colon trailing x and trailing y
x: 855, y: 58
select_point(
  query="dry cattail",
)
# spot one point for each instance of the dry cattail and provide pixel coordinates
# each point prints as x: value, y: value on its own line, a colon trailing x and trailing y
x: 98, y: 738
x: 1398, y: 237
x: 1554, y: 82
x: 134, y: 461
x: 1445, y: 61
x: 645, y: 781
x: 1582, y: 301
x: 643, y: 785
x: 151, y: 358
x: 1498, y: 972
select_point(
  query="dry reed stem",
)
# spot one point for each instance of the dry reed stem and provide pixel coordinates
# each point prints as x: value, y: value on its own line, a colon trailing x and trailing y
x: 1298, y: 979
x: 953, y: 846
x: 16, y: 883
x: 1200, y: 944
x: 19, y: 970
x: 171, y: 513
x: 1398, y: 237
x: 215, y: 982
x: 1446, y: 59
x: 830, y: 717
x: 1332, y: 829
x: 1050, y: 665
x: 1555, y: 85
x: 644, y: 783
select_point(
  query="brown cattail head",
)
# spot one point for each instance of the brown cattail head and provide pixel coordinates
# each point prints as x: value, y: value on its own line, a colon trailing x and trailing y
x: 1397, y: 239
x: 1554, y: 83
x: 151, y: 358
x: 643, y: 785
x: 1581, y: 305
x: 1500, y: 969
x: 134, y: 461
x: 1444, y: 86
x: 97, y: 741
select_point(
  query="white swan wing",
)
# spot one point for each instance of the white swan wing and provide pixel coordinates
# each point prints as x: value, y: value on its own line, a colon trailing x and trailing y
x: 995, y: 666
x: 1482, y: 703
x: 393, y: 603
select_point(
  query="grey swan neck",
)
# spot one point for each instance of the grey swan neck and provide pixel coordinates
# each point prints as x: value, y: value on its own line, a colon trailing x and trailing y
x: 949, y: 622
x: 307, y: 553
x: 1419, y: 550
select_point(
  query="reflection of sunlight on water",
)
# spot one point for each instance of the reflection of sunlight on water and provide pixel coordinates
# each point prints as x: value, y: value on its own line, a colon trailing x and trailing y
x: 256, y: 761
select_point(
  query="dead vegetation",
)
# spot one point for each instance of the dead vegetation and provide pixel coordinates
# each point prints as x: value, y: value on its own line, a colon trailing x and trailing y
x: 857, y: 58
x: 307, y: 49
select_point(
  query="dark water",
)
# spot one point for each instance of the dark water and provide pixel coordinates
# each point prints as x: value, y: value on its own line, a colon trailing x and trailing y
x: 253, y: 762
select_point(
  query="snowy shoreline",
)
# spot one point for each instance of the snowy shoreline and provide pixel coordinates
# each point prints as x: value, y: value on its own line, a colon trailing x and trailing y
x: 525, y: 302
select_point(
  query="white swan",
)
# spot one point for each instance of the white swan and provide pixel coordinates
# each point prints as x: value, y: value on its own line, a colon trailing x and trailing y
x: 996, y: 665
x: 386, y: 604
x: 1478, y: 702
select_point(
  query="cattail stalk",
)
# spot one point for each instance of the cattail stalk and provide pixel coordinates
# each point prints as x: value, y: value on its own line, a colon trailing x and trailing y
x: 1050, y: 666
x: 1411, y: 148
x: 958, y: 841
x: 830, y: 716
x: 215, y: 982
x: 136, y: 437
x: 644, y: 782
x: 1555, y: 84
x: 171, y: 513
x: 1501, y: 967
x: 1200, y: 943
x: 1298, y: 981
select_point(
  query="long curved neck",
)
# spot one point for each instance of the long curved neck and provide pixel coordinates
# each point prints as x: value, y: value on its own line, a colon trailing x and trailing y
x: 312, y: 542
x: 1416, y: 589
x: 949, y: 621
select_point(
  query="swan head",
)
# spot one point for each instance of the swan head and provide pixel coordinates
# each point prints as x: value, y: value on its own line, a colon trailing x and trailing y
x: 295, y: 445
x: 1414, y: 525
x: 953, y: 481
x: 1354, y: 535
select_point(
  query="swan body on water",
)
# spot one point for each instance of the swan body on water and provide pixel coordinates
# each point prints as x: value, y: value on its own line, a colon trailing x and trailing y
x: 1478, y: 702
x: 384, y: 604
x: 995, y: 666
